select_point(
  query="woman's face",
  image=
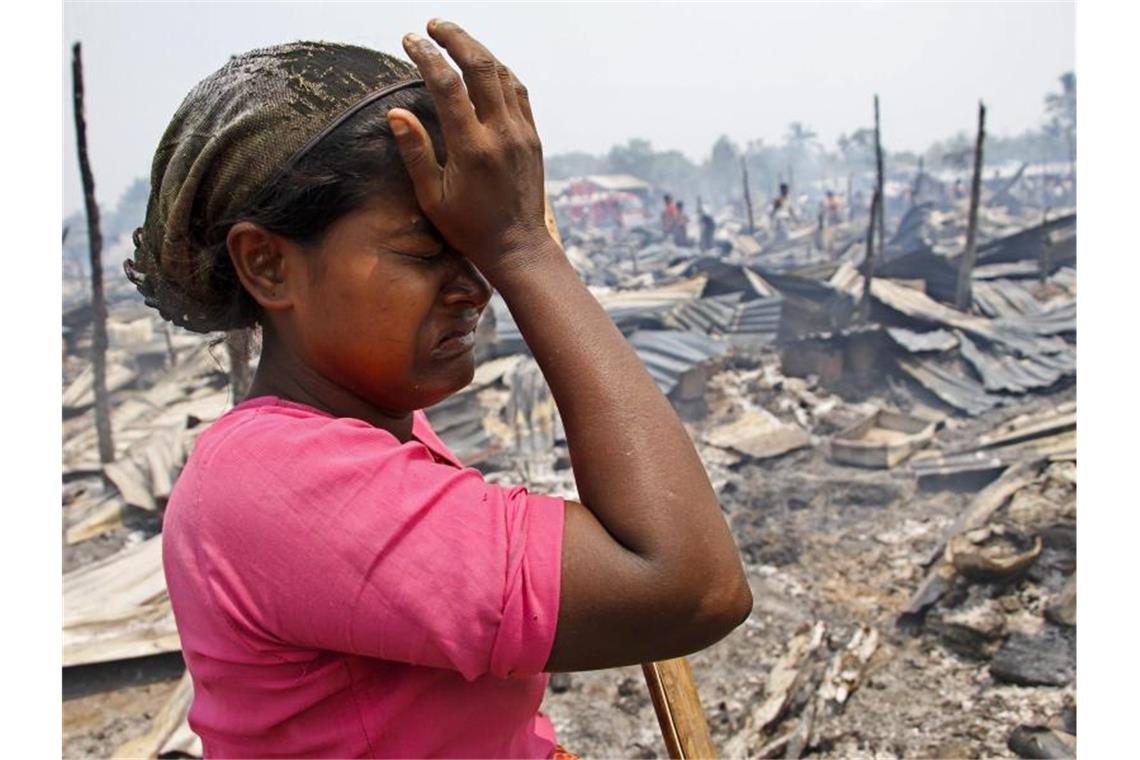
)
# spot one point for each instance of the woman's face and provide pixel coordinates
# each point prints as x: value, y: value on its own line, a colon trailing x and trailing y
x: 386, y: 310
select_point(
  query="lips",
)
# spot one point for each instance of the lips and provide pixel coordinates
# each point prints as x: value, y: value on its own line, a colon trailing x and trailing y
x: 457, y: 341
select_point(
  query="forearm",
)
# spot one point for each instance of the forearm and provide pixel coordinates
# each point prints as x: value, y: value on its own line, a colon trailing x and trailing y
x: 635, y: 467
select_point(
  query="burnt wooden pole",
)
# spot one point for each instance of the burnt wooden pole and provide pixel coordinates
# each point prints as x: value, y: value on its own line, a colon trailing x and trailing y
x: 850, y: 197
x: 98, y: 300
x: 1045, y: 260
x: 869, y: 258
x: 965, y: 293
x: 917, y: 184
x: 879, y: 177
x: 747, y: 196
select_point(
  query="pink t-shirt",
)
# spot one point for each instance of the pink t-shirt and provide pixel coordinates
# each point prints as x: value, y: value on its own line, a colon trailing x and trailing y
x: 340, y: 594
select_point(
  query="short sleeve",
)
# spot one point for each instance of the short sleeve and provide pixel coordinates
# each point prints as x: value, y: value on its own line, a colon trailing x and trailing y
x: 329, y: 533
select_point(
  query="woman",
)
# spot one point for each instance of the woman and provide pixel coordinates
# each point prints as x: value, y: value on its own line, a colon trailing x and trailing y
x: 342, y: 585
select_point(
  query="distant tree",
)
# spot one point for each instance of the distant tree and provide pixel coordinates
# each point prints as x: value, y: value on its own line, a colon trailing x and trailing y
x: 574, y: 164
x: 858, y: 148
x: 723, y: 168
x: 635, y: 157
x: 668, y: 170
x: 1061, y: 112
x: 131, y: 211
x: 802, y: 142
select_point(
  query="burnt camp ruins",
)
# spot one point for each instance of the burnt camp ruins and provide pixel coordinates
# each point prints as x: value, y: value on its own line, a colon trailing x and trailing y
x: 899, y: 472
x: 873, y: 354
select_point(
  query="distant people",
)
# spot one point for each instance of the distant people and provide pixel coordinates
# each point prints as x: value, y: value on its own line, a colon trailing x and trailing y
x: 708, y: 228
x: 669, y: 215
x: 959, y: 189
x: 681, y: 226
x: 782, y: 212
x: 833, y: 209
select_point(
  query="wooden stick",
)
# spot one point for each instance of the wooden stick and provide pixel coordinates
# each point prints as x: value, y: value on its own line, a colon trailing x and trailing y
x: 95, y: 240
x: 678, y: 708
x: 965, y: 295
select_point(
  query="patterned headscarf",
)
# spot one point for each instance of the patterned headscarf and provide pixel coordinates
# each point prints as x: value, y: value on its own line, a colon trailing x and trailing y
x: 235, y: 132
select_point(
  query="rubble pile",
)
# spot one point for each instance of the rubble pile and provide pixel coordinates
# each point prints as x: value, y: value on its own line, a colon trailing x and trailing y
x: 843, y: 426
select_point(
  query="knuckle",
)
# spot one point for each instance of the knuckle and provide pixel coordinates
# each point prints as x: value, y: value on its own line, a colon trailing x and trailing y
x: 485, y: 65
x: 450, y: 82
x: 482, y: 154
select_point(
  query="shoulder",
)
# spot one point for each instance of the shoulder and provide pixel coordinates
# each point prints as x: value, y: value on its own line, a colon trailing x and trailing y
x: 267, y: 429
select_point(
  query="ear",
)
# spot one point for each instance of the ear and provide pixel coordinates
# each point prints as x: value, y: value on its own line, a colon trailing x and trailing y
x: 259, y: 258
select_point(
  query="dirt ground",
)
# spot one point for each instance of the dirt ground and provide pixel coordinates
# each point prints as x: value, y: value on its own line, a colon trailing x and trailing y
x: 822, y: 542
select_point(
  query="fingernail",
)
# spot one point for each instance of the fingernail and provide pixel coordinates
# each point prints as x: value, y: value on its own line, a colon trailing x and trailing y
x: 411, y: 38
x: 399, y: 127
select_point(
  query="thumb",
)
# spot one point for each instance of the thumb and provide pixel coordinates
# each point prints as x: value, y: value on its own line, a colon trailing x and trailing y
x: 414, y: 144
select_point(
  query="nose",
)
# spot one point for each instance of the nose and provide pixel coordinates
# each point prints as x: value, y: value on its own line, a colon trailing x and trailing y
x: 466, y: 285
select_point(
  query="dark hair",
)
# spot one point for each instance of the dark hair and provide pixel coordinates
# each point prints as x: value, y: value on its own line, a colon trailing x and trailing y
x: 336, y: 176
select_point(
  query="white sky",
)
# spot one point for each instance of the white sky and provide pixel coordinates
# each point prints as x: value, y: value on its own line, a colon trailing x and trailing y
x: 677, y: 74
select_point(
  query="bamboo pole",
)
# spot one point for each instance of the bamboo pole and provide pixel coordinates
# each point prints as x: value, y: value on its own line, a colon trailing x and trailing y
x: 95, y: 240
x: 747, y: 196
x: 670, y: 682
x: 965, y: 292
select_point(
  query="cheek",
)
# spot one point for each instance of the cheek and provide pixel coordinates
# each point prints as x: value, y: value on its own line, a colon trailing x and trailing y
x: 375, y: 312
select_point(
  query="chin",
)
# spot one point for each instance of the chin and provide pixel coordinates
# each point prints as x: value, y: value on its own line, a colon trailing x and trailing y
x: 458, y: 379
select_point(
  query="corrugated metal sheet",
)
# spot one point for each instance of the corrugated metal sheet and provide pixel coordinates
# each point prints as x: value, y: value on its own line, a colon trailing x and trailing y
x: 1015, y: 302
x: 458, y: 421
x: 917, y: 342
x: 1013, y: 334
x: 668, y: 354
x: 954, y: 388
x: 1026, y: 243
x: 1002, y: 372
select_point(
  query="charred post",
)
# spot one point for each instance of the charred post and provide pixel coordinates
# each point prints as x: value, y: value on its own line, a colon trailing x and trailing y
x: 879, y: 176
x: 869, y: 259
x: 917, y: 184
x: 98, y: 300
x: 966, y: 269
x: 747, y: 196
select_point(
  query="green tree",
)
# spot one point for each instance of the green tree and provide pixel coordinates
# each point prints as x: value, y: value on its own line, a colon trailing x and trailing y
x: 802, y: 145
x: 1061, y: 113
x: 723, y: 168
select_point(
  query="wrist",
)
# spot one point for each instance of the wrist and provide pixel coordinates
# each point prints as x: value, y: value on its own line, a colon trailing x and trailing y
x: 520, y: 261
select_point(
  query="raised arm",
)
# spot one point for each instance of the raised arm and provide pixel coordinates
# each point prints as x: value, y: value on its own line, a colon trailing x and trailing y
x: 650, y: 570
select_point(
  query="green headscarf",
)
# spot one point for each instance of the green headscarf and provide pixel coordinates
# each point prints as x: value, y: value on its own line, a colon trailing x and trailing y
x: 233, y: 134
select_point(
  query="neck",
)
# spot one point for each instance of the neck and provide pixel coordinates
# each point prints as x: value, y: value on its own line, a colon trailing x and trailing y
x: 283, y: 373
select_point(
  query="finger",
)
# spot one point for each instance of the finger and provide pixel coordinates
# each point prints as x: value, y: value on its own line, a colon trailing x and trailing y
x: 480, y: 68
x: 456, y: 114
x: 510, y: 94
x: 418, y: 154
x: 522, y: 96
